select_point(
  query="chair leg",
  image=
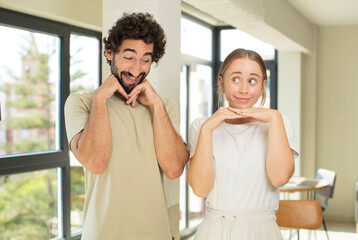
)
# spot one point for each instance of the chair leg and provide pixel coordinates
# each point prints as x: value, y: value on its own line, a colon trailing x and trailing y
x: 325, y: 227
x: 290, y: 234
x: 298, y: 234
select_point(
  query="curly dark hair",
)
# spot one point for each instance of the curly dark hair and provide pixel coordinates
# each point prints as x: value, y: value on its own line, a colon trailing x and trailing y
x: 138, y: 26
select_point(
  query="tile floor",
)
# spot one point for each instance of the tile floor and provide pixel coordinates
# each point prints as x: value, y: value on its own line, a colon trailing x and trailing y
x: 336, y: 231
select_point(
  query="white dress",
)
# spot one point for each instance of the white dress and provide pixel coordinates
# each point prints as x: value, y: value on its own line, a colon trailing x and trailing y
x: 243, y: 202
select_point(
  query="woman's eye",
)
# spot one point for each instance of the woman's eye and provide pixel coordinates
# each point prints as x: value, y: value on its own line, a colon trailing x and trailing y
x: 235, y: 80
x: 252, y: 81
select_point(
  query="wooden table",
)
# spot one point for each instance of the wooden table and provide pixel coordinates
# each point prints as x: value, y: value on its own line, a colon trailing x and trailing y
x: 304, y: 184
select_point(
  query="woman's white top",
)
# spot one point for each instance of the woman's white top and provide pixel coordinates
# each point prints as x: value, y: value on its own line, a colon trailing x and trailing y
x: 241, y: 181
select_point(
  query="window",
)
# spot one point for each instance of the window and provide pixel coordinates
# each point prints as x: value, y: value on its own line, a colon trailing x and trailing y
x: 84, y: 76
x: 40, y: 60
x: 196, y: 99
x: 28, y: 91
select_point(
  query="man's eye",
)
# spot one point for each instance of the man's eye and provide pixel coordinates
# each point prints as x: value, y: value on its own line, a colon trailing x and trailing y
x: 146, y: 60
x: 252, y: 81
x: 128, y: 58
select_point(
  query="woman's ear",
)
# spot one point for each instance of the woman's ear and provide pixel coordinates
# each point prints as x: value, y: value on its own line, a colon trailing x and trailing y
x: 264, y: 85
x: 221, y: 84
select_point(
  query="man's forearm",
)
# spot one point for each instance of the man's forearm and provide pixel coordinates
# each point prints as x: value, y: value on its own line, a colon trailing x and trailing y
x: 171, y: 152
x: 94, y: 145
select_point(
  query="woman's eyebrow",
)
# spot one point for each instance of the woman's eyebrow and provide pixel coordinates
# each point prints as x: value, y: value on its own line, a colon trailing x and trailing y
x: 238, y: 72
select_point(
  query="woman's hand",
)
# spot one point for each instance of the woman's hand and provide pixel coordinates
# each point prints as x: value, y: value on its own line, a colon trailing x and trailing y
x: 257, y: 114
x: 220, y: 116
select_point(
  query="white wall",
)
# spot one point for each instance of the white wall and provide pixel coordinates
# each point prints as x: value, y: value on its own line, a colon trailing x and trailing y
x: 289, y: 93
x: 337, y: 114
x: 80, y: 13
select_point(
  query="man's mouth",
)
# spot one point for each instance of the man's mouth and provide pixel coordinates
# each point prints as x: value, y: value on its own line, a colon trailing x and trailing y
x: 132, y: 79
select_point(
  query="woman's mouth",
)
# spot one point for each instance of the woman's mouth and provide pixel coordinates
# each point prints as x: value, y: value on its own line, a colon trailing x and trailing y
x: 243, y: 100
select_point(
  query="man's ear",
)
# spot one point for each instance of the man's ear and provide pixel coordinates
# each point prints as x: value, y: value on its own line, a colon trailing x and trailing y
x: 109, y: 54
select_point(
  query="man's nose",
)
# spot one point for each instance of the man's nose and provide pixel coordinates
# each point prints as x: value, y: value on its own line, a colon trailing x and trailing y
x: 136, y: 69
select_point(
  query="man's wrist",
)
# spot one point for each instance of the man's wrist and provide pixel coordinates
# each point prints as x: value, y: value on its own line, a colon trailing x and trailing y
x: 157, y: 106
x: 98, y: 98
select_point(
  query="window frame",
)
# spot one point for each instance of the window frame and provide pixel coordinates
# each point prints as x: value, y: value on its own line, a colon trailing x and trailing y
x: 29, y: 162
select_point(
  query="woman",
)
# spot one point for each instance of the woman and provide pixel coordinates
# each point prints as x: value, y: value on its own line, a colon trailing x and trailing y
x: 241, y: 155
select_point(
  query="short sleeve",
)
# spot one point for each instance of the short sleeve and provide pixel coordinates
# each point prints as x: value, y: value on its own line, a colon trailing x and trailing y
x: 194, y: 132
x: 291, y: 135
x: 77, y: 110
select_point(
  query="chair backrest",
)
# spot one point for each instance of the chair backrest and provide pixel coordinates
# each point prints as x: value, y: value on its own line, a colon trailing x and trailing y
x: 330, y: 177
x: 299, y: 214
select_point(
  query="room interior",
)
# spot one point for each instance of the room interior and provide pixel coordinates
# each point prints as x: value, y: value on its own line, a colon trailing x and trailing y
x: 317, y: 48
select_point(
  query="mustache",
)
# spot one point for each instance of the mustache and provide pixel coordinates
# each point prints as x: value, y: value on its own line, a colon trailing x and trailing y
x: 131, y: 75
x: 129, y: 88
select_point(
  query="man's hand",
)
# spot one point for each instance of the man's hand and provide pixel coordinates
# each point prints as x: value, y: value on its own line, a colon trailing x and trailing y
x: 144, y: 93
x: 109, y: 87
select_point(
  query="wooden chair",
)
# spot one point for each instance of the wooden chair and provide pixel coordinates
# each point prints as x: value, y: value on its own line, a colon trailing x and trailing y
x: 299, y: 214
x: 326, y: 193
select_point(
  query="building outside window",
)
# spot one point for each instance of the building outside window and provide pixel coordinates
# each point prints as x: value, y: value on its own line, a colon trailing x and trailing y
x: 41, y: 61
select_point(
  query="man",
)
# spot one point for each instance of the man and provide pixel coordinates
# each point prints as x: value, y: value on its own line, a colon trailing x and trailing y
x: 126, y: 146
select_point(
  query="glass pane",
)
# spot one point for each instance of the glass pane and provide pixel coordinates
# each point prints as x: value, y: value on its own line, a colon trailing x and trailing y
x: 200, y: 95
x: 29, y: 205
x: 29, y: 70
x: 84, y: 63
x: 196, y: 40
x: 77, y: 196
x: 183, y: 132
x: 232, y: 39
x: 200, y: 105
x: 84, y: 71
x: 183, y: 101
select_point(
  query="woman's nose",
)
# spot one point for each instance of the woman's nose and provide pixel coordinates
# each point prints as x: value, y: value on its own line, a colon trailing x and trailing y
x: 243, y: 88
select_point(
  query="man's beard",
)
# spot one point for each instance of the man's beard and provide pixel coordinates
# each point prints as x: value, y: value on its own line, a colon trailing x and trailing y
x: 127, y: 88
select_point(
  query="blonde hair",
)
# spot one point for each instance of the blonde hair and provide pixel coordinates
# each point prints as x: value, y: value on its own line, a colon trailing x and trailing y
x: 243, y: 53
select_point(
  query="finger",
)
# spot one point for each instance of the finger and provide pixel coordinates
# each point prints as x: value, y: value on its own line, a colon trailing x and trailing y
x: 121, y: 91
x: 134, y: 102
x: 139, y: 88
x: 131, y: 99
x: 234, y: 110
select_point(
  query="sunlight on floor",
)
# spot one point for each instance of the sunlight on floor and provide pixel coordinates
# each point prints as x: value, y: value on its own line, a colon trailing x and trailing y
x: 336, y: 231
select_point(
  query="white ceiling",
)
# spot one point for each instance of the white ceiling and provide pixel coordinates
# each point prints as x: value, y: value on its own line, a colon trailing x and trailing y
x: 328, y: 12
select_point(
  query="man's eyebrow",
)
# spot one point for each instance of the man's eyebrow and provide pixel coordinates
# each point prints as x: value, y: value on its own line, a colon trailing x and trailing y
x: 148, y: 54
x: 130, y: 50
x: 135, y: 52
